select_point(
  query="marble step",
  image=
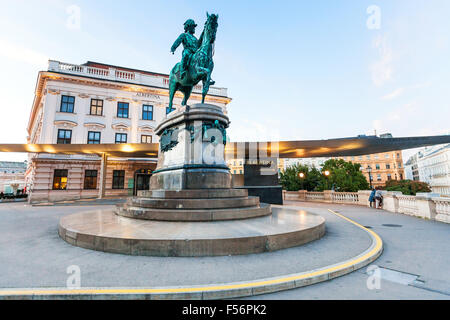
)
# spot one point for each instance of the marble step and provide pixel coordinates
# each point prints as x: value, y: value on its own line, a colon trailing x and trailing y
x: 259, y: 210
x: 193, y: 193
x: 209, y: 203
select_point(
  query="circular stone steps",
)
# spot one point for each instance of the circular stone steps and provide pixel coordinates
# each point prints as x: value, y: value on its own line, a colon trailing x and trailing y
x: 181, y: 204
x: 105, y: 231
x: 259, y: 210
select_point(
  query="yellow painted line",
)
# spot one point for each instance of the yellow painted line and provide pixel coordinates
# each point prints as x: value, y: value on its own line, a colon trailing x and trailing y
x: 244, y: 285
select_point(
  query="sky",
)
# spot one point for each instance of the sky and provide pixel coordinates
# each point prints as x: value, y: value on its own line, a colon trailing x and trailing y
x: 296, y: 70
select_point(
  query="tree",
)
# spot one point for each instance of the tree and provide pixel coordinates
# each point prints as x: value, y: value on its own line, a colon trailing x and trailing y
x: 291, y: 181
x: 344, y: 176
x: 407, y: 187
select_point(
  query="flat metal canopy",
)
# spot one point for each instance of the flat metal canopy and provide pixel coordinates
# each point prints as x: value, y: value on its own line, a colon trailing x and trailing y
x: 281, y: 149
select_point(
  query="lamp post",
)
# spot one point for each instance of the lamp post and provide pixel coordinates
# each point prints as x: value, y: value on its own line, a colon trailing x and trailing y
x: 369, y: 170
x: 327, y: 174
x: 301, y: 175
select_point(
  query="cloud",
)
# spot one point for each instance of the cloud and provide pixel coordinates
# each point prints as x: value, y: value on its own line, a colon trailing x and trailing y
x: 382, y: 69
x: 21, y: 54
x: 394, y: 94
x: 421, y: 85
x: 396, y: 117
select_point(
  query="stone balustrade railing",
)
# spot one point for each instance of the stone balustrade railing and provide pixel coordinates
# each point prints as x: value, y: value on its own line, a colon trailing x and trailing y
x: 442, y: 209
x: 121, y: 75
x: 314, y: 196
x: 407, y: 205
x: 423, y: 205
x: 345, y: 197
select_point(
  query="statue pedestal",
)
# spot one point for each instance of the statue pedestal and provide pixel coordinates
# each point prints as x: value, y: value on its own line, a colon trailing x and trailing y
x: 192, y: 145
x: 191, y: 209
x: 192, y: 181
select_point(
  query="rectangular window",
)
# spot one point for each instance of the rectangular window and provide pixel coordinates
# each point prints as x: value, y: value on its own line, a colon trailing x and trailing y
x: 93, y: 137
x: 399, y: 164
x: 377, y: 166
x: 64, y: 136
x: 388, y: 166
x: 60, y: 179
x: 147, y: 112
x: 121, y: 138
x: 96, y: 107
x: 368, y: 157
x: 378, y: 177
x: 67, y: 104
x: 118, y: 179
x: 386, y: 155
x: 90, y: 179
x: 122, y: 109
x: 146, y: 139
x: 389, y: 177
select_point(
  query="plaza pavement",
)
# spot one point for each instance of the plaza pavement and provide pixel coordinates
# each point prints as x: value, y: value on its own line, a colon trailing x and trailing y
x: 410, y: 245
x: 33, y: 256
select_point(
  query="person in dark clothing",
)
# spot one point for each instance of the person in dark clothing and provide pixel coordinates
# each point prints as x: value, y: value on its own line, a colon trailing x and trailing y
x: 372, y: 198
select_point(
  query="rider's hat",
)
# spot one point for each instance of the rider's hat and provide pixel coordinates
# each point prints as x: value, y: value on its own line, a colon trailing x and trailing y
x: 188, y: 23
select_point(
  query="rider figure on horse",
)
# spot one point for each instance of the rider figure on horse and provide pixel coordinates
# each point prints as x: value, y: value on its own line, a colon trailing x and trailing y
x: 190, y: 44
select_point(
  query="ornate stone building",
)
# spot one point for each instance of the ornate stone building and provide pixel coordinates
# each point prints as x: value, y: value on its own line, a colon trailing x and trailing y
x: 382, y: 166
x: 432, y: 165
x: 95, y: 103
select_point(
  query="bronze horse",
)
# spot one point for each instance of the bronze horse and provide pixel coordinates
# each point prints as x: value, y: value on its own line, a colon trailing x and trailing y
x: 199, y: 68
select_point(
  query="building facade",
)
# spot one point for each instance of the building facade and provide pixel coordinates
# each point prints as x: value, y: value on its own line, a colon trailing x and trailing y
x: 433, y: 165
x: 95, y: 103
x: 237, y: 165
x: 12, y: 176
x: 412, y: 168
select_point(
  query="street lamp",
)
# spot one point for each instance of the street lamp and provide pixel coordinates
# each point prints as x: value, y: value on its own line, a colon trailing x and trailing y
x: 301, y: 175
x: 369, y: 170
x: 327, y: 174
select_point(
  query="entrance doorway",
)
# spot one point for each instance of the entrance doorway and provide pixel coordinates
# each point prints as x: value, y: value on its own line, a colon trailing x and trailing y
x: 142, y: 180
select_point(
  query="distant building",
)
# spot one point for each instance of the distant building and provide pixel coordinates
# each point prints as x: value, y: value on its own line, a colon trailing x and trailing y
x: 311, y: 162
x: 12, y: 175
x: 382, y: 166
x: 434, y: 168
x: 412, y: 169
x: 237, y: 165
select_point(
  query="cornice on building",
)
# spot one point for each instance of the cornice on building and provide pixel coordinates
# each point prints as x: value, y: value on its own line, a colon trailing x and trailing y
x: 113, y: 77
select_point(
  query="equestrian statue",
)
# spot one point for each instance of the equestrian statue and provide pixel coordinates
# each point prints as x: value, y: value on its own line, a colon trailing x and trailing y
x: 196, y: 64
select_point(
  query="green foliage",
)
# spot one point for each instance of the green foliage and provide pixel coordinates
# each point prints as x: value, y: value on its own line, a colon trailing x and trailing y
x: 291, y: 181
x: 344, y: 176
x: 407, y: 187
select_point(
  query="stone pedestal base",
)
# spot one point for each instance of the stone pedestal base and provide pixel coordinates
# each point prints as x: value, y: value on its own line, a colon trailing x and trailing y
x: 103, y: 230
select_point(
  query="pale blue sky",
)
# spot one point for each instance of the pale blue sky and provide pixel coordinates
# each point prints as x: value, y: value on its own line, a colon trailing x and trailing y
x: 295, y: 69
